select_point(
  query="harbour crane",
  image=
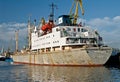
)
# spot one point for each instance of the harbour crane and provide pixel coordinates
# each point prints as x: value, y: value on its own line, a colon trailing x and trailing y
x: 75, y: 14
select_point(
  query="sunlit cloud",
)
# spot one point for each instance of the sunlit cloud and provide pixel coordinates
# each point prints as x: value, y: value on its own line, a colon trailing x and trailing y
x: 7, y: 32
x: 7, y: 28
x: 109, y: 28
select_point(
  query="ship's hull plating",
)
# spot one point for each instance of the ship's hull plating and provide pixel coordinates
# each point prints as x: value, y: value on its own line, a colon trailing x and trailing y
x: 75, y: 57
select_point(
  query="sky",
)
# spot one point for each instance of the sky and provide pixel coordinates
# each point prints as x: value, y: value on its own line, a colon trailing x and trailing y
x: 103, y: 15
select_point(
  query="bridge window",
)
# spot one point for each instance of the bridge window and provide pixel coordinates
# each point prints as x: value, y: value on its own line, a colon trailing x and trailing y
x: 68, y: 29
x: 78, y: 29
x: 83, y: 30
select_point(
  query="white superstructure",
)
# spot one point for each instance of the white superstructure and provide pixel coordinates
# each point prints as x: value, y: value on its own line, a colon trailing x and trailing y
x: 64, y: 35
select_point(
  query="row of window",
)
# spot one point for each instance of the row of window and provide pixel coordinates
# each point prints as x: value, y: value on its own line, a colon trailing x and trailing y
x: 47, y: 43
x: 56, y: 41
x: 73, y: 29
x: 42, y: 38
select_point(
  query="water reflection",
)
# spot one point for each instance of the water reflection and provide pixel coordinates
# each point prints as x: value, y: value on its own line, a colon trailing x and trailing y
x: 33, y: 73
x: 69, y: 74
x: 12, y: 72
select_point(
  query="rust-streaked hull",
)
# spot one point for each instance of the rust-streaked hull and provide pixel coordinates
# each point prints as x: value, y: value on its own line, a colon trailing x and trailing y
x: 74, y: 57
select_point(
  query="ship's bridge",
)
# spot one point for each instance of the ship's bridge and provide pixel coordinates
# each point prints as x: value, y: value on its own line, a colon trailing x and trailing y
x: 75, y: 34
x: 73, y: 31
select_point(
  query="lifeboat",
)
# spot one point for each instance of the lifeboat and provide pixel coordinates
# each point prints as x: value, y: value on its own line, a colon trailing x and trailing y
x: 47, y: 26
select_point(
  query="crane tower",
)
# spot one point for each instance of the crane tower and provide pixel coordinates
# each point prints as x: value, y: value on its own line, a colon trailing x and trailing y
x: 74, y: 15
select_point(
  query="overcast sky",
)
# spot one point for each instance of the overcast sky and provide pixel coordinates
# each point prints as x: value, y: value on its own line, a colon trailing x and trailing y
x: 103, y: 15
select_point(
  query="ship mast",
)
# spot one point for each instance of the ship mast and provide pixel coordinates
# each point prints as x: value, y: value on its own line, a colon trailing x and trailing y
x: 16, y: 39
x: 51, y: 16
x: 29, y: 34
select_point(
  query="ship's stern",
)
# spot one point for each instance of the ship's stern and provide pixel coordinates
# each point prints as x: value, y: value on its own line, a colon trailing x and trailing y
x: 99, y: 55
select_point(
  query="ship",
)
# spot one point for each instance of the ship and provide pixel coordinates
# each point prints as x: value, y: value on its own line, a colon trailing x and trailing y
x: 66, y: 43
x: 5, y: 56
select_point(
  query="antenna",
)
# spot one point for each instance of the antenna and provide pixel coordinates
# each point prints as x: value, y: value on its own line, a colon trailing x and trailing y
x: 29, y: 18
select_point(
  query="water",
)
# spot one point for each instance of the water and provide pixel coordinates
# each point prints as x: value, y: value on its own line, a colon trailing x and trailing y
x: 32, y: 73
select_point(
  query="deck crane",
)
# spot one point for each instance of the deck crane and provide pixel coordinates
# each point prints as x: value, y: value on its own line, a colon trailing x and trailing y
x: 75, y: 15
